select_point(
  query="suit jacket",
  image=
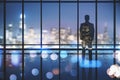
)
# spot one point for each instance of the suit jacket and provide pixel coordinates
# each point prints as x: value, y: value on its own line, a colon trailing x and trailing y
x: 87, y: 31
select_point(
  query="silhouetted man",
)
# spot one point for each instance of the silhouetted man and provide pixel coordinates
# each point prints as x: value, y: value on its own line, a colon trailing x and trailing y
x: 87, y: 36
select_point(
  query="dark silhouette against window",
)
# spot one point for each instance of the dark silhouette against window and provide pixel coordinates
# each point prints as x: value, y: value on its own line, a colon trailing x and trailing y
x: 87, y: 36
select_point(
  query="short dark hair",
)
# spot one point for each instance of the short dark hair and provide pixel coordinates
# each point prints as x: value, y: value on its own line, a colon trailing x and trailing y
x: 87, y: 17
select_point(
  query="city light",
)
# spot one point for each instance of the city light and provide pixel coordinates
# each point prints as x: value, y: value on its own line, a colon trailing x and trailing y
x: 50, y: 36
x: 44, y: 54
x: 55, y: 71
x: 114, y: 71
x: 15, y: 59
x: 33, y: 53
x: 21, y: 16
x: 117, y: 56
x: 54, y: 56
x: 49, y: 75
x: 10, y: 25
x: 35, y: 71
x: 13, y: 77
x: 63, y: 54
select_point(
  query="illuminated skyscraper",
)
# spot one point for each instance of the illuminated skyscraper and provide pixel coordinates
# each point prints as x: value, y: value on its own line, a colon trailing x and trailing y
x: 9, y: 34
x: 20, y: 26
x: 106, y: 38
x: 19, y: 37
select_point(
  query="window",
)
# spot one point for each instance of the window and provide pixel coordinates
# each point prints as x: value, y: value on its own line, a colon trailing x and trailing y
x: 32, y: 32
x: 1, y: 64
x: 13, y: 64
x: 50, y: 24
x: 68, y: 25
x: 13, y: 25
x: 1, y: 24
x: 41, y: 40
x: 117, y: 23
x: 105, y: 23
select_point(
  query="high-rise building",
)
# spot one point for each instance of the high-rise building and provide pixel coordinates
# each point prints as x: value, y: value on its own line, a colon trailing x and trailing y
x: 1, y: 39
x: 19, y: 36
x: 9, y: 34
x: 106, y: 38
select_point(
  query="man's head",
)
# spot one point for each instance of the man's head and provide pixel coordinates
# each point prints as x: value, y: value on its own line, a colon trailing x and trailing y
x: 87, y: 18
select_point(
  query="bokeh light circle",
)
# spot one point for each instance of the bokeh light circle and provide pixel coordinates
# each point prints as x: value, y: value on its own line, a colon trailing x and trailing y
x: 54, y: 56
x: 35, y: 71
x: 63, y: 54
x: 13, y: 77
x: 114, y: 71
x: 49, y: 75
x: 44, y: 54
x: 55, y: 71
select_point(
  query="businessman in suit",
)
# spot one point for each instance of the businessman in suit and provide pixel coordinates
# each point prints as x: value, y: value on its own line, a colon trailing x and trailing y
x: 87, y: 36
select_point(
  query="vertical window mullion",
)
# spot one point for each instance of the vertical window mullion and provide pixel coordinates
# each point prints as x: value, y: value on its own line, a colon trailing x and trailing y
x: 22, y: 39
x: 78, y: 39
x: 41, y: 39
x: 114, y: 25
x: 59, y: 38
x: 96, y: 20
x: 4, y: 10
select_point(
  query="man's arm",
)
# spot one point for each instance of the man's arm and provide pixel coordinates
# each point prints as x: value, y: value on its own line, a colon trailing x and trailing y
x: 81, y: 36
x: 92, y: 31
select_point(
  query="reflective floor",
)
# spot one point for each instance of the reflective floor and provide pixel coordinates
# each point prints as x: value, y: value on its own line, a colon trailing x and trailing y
x: 50, y: 65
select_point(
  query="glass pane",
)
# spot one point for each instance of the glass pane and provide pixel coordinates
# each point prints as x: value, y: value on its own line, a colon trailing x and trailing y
x: 68, y: 28
x: 68, y: 64
x: 1, y: 65
x: 107, y: 61
x: 50, y: 64
x: 87, y: 24
x: 88, y: 64
x: 13, y: 23
x: 117, y: 23
x: 13, y: 65
x: 1, y: 25
x: 32, y: 23
x: 105, y: 23
x: 32, y: 65
x: 50, y: 24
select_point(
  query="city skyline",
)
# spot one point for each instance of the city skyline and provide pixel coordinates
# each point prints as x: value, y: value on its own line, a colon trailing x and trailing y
x: 68, y: 15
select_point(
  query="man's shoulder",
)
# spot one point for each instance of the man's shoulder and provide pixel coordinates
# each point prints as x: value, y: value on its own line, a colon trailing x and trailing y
x: 86, y: 23
x: 82, y: 23
x: 91, y: 24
